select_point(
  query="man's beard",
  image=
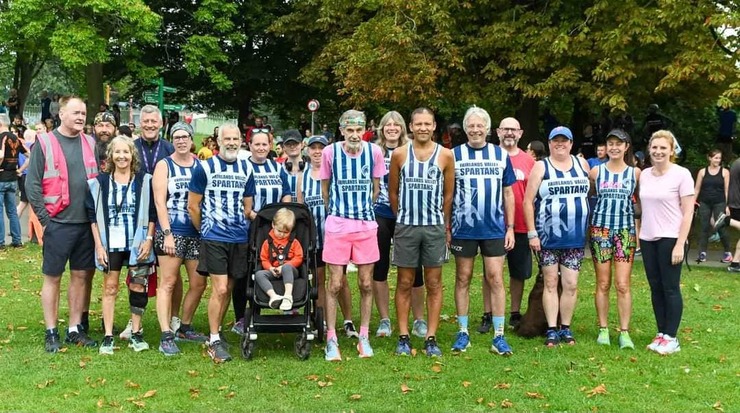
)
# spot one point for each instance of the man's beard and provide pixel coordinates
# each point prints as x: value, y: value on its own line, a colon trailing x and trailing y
x: 229, y: 155
x: 353, y: 146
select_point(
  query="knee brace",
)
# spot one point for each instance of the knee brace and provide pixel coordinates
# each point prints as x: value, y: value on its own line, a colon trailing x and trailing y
x: 137, y: 301
x: 140, y: 275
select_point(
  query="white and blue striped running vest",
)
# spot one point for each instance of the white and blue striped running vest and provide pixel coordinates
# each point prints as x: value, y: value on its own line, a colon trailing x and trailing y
x: 177, y: 198
x: 383, y: 203
x: 351, y: 189
x: 121, y: 216
x: 292, y: 183
x: 420, y: 190
x: 614, y: 208
x: 222, y: 209
x: 478, y: 203
x: 562, y: 206
x: 311, y: 191
x: 268, y: 183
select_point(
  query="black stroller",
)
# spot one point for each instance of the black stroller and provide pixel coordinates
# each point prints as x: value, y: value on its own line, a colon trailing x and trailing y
x: 309, y: 321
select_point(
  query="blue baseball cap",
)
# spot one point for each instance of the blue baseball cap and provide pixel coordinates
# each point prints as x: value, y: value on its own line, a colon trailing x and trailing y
x: 560, y: 131
x: 317, y: 139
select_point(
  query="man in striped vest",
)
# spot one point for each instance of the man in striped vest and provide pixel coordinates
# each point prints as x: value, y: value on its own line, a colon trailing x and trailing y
x: 350, y: 183
x: 56, y: 184
x: 420, y: 188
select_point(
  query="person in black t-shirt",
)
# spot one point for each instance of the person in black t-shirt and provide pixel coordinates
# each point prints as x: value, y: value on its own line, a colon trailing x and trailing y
x: 10, y: 147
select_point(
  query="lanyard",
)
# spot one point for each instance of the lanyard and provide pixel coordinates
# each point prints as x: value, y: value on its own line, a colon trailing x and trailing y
x: 118, y: 206
x: 154, y: 158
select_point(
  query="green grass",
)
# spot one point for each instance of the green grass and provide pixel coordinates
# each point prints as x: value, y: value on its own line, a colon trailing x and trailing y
x: 704, y: 376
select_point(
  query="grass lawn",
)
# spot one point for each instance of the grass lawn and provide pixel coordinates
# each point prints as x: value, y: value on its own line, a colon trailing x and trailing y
x: 704, y: 376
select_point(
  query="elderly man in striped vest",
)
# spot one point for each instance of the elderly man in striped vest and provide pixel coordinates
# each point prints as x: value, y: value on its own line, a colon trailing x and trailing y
x: 60, y: 165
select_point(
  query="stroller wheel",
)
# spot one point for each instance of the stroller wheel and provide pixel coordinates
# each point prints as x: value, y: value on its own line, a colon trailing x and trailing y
x: 302, y: 347
x: 247, y: 347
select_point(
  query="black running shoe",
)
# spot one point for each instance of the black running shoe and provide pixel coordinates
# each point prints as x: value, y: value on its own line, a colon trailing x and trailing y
x: 80, y: 338
x: 485, y: 324
x: 52, y: 342
x: 218, y: 352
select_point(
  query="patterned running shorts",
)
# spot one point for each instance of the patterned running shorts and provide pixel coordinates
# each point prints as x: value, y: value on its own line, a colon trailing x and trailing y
x: 186, y: 248
x: 569, y: 258
x: 613, y: 244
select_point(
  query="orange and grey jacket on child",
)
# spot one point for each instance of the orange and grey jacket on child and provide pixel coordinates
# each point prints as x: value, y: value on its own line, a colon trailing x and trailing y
x: 273, y: 258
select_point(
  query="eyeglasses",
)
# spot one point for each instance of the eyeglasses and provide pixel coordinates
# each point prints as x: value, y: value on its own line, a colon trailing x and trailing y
x: 509, y: 130
x: 260, y: 130
x: 180, y: 137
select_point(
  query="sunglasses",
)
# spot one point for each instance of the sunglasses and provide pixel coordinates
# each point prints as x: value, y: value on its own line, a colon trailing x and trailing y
x: 260, y: 130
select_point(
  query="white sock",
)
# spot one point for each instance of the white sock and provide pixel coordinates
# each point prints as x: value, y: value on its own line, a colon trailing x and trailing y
x: 73, y: 329
x: 347, y: 321
x: 215, y: 338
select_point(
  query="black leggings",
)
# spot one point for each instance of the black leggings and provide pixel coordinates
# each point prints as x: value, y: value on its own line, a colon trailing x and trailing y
x: 386, y: 228
x: 239, y: 297
x: 665, y: 283
x: 707, y: 210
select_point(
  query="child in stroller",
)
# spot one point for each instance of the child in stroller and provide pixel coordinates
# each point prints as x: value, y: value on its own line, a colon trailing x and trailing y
x: 281, y: 255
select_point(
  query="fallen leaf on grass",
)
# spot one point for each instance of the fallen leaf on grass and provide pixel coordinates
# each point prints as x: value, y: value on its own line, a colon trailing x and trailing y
x: 149, y: 394
x: 114, y: 404
x: 132, y: 385
x: 355, y: 397
x: 466, y: 384
x: 722, y: 358
x: 21, y: 328
x: 413, y: 352
x: 138, y: 403
x: 437, y: 368
x: 101, y: 403
x: 405, y: 389
x: 194, y: 393
x: 600, y: 389
x: 492, y: 404
x: 697, y: 287
x: 718, y: 406
x: 534, y: 395
x: 312, y: 377
x: 717, y: 307
x: 318, y: 396
x: 82, y: 364
x: 63, y: 350
x: 230, y: 395
x: 223, y: 388
x: 192, y: 373
x: 507, y: 369
x: 479, y: 400
x: 506, y: 403
x: 283, y: 383
x: 633, y: 359
x: 502, y: 386
x: 323, y: 384
x: 46, y: 383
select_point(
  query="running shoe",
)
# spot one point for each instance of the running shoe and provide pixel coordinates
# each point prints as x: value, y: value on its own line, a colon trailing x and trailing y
x: 486, y: 323
x: 721, y: 222
x: 238, y: 327
x: 656, y: 342
x: 384, y: 328
x: 363, y: 347
x: 137, y: 342
x: 566, y: 336
x: 350, y: 331
x: 431, y: 347
x: 175, y: 323
x: 190, y: 335
x: 552, y: 338
x: 462, y: 342
x: 218, y: 352
x: 126, y: 333
x: 702, y: 257
x: 331, y: 352
x: 734, y: 267
x: 727, y: 257
x: 107, y: 347
x: 500, y: 346
x: 420, y: 328
x: 403, y: 348
x: 603, y: 338
x: 638, y: 252
x: 80, y: 338
x: 668, y: 345
x: 168, y: 347
x: 625, y: 341
x: 52, y: 343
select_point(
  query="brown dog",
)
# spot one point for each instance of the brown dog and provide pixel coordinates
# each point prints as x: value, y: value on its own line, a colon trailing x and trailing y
x: 533, y: 322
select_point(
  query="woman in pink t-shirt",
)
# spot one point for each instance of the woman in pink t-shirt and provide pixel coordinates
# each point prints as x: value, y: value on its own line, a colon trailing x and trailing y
x: 667, y: 198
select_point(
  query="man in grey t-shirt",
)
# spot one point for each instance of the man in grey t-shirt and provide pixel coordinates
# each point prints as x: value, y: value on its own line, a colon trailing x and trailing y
x: 67, y: 232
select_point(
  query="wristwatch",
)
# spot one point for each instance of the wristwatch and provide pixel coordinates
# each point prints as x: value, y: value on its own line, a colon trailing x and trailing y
x: 166, y: 232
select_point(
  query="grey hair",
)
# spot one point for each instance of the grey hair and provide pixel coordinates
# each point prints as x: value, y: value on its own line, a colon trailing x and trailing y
x: 151, y: 109
x: 226, y: 126
x: 481, y: 113
x: 4, y: 119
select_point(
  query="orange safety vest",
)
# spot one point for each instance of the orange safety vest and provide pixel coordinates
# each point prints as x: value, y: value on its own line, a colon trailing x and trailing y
x: 55, y: 183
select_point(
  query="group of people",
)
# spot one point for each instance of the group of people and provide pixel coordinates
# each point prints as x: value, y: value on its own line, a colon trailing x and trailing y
x: 151, y: 198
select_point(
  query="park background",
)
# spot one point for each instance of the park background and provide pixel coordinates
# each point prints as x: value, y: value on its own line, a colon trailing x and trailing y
x: 230, y: 59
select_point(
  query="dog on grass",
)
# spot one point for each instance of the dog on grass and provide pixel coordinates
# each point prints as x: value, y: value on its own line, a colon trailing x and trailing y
x: 533, y: 322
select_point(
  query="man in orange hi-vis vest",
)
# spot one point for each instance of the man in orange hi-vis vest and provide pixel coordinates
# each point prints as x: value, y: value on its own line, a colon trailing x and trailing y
x: 60, y: 165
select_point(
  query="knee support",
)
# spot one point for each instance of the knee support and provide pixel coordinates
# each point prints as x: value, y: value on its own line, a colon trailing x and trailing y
x: 137, y: 301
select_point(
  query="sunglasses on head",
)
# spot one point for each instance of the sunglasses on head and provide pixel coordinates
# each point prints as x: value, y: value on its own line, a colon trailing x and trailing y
x: 260, y: 130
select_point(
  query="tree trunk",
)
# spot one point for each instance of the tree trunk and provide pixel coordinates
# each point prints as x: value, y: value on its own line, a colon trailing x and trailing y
x: 578, y: 122
x: 245, y: 106
x: 528, y: 116
x: 94, y: 87
x: 24, y: 71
